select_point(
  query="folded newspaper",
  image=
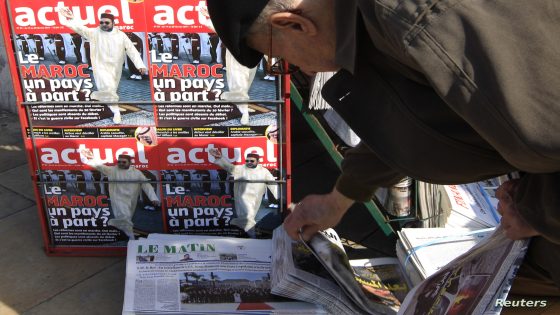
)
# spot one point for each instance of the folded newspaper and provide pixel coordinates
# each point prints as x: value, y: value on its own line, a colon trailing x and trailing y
x: 423, y: 252
x: 173, y: 274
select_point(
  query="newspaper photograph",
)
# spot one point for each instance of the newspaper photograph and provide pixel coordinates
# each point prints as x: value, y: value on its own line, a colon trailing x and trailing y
x: 381, y: 279
x: 198, y: 275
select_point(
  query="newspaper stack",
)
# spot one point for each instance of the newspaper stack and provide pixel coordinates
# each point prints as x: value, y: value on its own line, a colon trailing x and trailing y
x: 169, y: 274
x: 424, y: 251
x: 320, y: 272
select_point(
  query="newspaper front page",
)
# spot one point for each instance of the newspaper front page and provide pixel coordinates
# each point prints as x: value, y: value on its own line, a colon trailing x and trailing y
x: 203, y: 275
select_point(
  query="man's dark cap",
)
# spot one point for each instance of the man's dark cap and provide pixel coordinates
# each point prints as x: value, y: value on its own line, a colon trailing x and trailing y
x: 232, y: 21
x: 107, y: 16
x: 125, y: 156
x: 254, y: 154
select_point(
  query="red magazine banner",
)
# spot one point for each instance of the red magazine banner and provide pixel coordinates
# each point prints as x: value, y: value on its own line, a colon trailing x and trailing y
x: 39, y: 17
x: 194, y: 153
x: 176, y: 16
x: 62, y: 152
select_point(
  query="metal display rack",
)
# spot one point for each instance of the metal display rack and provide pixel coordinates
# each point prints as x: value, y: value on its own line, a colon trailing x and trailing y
x: 280, y: 103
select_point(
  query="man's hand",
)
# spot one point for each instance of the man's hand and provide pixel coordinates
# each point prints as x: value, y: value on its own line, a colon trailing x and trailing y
x: 315, y: 213
x: 515, y: 226
x: 143, y: 71
x: 156, y: 203
x: 216, y: 153
x: 67, y: 13
x: 86, y: 153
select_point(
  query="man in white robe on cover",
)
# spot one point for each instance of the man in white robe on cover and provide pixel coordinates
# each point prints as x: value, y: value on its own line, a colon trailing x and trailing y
x: 248, y: 196
x: 124, y: 196
x: 108, y: 47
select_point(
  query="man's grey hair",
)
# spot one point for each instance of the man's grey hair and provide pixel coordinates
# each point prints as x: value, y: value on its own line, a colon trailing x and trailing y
x: 261, y: 23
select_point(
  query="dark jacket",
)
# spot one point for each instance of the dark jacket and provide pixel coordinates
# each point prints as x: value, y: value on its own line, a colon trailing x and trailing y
x: 452, y: 91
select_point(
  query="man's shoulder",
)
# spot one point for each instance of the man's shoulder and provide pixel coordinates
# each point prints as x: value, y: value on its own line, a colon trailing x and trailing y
x: 261, y: 168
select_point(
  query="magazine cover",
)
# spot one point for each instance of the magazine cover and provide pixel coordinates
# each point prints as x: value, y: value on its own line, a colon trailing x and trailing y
x: 81, y: 51
x: 190, y: 64
x: 99, y: 186
x: 220, y: 186
x: 206, y: 185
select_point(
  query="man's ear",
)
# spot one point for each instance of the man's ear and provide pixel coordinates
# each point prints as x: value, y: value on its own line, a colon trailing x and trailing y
x: 292, y: 21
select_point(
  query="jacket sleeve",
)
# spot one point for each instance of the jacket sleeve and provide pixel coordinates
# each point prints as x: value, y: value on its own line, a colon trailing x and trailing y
x: 538, y: 201
x: 363, y: 172
x: 499, y: 72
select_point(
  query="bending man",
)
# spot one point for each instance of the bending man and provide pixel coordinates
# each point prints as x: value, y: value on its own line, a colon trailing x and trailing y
x: 447, y: 92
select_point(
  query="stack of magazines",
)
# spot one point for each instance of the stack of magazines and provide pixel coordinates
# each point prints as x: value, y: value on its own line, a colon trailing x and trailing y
x: 172, y: 274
